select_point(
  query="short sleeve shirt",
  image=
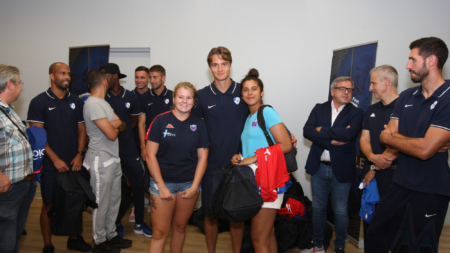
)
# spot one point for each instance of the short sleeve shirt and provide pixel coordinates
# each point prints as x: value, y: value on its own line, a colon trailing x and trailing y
x: 376, y: 116
x: 415, y: 115
x: 125, y: 105
x: 224, y: 115
x: 60, y: 118
x: 152, y: 104
x: 253, y: 137
x: 99, y: 145
x: 178, y: 143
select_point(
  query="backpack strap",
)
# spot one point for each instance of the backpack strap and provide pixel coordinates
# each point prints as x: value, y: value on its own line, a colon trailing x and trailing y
x: 262, y: 123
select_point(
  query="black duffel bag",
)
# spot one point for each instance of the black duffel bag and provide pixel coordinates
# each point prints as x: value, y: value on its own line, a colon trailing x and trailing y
x: 235, y: 194
x: 290, y: 158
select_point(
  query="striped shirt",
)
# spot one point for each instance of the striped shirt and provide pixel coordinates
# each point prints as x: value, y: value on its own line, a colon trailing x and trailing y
x: 16, y: 155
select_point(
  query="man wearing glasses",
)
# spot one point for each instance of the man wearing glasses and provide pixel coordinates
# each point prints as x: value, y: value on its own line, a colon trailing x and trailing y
x: 16, y: 163
x: 333, y: 128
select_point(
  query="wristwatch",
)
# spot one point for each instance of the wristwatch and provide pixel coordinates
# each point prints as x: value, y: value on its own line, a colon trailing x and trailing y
x: 372, y: 167
x: 81, y: 153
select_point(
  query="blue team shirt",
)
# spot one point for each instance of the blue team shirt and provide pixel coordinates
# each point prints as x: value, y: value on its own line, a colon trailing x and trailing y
x: 253, y: 137
x: 224, y: 115
x: 125, y: 105
x: 415, y: 115
x: 152, y: 104
x: 376, y: 116
x: 60, y: 118
x: 178, y: 143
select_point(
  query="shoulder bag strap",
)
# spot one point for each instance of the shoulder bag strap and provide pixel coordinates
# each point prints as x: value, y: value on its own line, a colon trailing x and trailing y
x: 262, y: 123
x: 18, y: 128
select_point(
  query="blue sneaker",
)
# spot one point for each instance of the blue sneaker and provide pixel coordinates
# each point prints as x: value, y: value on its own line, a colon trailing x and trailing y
x: 119, y: 230
x: 143, y: 229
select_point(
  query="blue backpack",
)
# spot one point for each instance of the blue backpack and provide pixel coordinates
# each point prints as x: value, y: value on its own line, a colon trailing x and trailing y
x: 37, y: 136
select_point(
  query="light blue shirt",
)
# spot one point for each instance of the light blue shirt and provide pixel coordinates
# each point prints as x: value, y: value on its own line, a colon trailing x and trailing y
x: 253, y: 137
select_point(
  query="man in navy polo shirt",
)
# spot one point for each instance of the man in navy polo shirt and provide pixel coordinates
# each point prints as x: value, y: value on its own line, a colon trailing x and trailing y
x: 60, y: 113
x: 125, y: 105
x: 157, y: 100
x: 224, y: 112
x: 141, y: 77
x: 382, y: 161
x: 412, y: 214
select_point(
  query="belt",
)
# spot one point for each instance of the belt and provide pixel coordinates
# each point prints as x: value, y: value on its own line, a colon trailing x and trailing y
x: 28, y: 178
x: 326, y: 163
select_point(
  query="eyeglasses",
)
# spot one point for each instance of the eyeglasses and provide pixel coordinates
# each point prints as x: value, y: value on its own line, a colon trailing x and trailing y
x: 343, y: 89
x: 21, y: 83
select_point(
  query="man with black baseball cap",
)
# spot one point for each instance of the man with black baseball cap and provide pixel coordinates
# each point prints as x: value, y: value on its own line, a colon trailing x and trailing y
x: 112, y: 68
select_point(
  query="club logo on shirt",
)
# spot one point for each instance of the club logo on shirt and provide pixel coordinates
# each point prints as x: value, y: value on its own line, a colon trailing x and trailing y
x: 167, y: 134
x: 433, y: 105
x: 372, y: 115
x: 267, y: 152
x: 166, y: 101
x: 127, y: 105
x: 254, y: 123
x: 72, y: 105
x: 193, y: 127
x: 236, y: 100
x: 169, y: 126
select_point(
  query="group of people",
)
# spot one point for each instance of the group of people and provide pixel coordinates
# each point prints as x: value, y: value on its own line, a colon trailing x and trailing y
x: 182, y: 137
x: 405, y: 139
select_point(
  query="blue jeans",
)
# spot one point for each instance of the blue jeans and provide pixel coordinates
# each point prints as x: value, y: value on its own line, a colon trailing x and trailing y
x: 174, y: 188
x: 322, y: 183
x: 14, y: 207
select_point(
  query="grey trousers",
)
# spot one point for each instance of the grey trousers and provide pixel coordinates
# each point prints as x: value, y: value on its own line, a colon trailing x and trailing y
x: 106, y: 185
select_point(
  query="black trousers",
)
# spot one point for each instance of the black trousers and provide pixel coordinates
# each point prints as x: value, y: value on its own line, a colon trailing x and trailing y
x: 407, y: 220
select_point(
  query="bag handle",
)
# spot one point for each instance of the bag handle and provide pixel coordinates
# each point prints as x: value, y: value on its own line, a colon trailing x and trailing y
x: 18, y: 128
x: 262, y: 123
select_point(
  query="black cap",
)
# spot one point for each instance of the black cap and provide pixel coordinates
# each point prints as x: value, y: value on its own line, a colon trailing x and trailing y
x: 112, y: 68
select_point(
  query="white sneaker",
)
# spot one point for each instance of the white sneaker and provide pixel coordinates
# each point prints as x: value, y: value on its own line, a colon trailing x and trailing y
x: 312, y: 249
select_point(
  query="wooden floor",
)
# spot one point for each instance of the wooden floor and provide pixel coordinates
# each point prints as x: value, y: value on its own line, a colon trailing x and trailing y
x: 195, y: 240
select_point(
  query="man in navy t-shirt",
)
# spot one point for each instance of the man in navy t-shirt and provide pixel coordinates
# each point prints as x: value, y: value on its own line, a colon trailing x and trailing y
x: 157, y: 100
x: 382, y: 161
x: 60, y: 113
x: 412, y: 214
x: 224, y: 112
x: 125, y: 105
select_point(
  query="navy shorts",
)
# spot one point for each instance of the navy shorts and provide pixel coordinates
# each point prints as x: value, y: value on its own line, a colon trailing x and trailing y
x: 173, y: 187
x: 207, y: 185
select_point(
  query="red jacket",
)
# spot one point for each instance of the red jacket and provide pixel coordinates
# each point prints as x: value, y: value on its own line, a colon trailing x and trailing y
x: 271, y: 172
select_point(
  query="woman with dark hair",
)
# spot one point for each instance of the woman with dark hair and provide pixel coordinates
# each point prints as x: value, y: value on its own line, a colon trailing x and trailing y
x: 177, y: 151
x: 253, y: 140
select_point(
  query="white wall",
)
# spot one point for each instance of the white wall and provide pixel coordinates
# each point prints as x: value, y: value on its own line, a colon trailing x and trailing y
x: 289, y: 42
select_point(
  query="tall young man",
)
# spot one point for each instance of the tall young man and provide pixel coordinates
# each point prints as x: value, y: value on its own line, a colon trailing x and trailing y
x: 125, y: 105
x: 60, y: 113
x: 157, y: 100
x: 412, y: 214
x: 103, y: 162
x: 220, y: 105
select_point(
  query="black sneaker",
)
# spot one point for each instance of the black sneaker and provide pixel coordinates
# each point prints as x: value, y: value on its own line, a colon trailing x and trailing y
x: 48, y: 249
x: 78, y: 244
x: 339, y: 250
x: 119, y: 242
x: 104, y: 247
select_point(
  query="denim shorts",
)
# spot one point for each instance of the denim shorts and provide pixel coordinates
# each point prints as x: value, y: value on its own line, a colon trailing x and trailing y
x: 173, y: 187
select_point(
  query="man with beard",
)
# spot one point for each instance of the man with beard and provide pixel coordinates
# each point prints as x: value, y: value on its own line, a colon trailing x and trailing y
x: 157, y: 100
x: 412, y: 214
x: 60, y: 113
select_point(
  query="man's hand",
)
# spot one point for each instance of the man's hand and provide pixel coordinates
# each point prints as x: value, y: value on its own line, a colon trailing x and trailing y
x: 60, y: 165
x: 338, y: 143
x: 385, y: 135
x: 444, y: 148
x: 5, y: 183
x: 76, y: 162
x: 369, y: 176
x: 380, y: 161
x: 318, y: 128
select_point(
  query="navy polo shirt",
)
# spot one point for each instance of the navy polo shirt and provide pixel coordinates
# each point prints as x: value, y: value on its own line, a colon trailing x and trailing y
x: 178, y: 144
x: 376, y: 116
x: 415, y: 115
x: 125, y: 105
x: 224, y: 115
x: 152, y: 104
x: 60, y: 118
x: 136, y: 130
